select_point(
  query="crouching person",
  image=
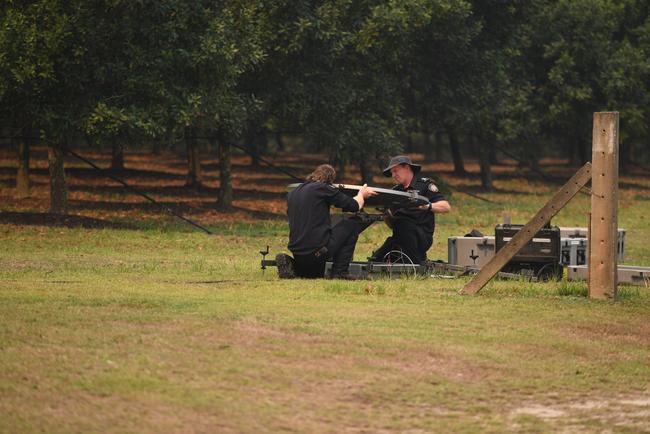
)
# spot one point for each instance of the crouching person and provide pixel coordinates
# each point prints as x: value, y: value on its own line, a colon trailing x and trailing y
x: 412, y: 227
x: 312, y: 239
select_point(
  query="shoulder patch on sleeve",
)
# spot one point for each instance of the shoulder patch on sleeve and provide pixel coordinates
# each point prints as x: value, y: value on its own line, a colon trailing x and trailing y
x: 433, y: 188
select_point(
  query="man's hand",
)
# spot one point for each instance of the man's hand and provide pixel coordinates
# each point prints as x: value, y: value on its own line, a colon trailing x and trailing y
x: 367, y: 192
x: 364, y: 192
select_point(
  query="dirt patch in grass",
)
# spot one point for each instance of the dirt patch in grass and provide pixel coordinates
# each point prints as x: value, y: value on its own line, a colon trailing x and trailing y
x: 78, y: 411
x: 435, y: 364
x: 410, y: 360
x: 639, y: 335
x: 620, y: 413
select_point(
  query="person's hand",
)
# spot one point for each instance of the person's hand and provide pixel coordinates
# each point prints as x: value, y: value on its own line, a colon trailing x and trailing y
x: 367, y: 192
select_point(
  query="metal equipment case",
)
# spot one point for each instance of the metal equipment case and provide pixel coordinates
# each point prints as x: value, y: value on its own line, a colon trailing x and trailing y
x: 581, y: 248
x: 470, y: 251
x: 626, y: 274
x: 541, y: 255
x: 477, y: 251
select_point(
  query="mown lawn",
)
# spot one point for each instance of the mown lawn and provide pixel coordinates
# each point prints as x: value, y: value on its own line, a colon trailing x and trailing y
x: 173, y: 331
x: 153, y: 327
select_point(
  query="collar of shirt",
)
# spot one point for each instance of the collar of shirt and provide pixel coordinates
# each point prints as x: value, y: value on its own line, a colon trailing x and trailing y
x: 411, y: 186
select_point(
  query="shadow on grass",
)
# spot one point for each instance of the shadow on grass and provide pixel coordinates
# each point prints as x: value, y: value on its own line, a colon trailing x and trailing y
x: 201, y: 191
x: 261, y: 215
x: 55, y: 220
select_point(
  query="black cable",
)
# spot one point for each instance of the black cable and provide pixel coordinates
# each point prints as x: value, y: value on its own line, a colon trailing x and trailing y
x: 537, y: 170
x: 638, y: 166
x: 128, y: 187
x: 268, y: 163
x: 467, y: 192
x: 286, y: 172
x: 540, y: 172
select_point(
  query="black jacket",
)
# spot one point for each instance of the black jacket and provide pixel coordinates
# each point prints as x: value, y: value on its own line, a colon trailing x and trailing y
x: 309, y: 215
x: 425, y: 219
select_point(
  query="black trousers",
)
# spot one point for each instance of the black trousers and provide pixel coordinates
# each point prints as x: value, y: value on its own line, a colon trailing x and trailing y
x: 339, y: 249
x: 408, y: 237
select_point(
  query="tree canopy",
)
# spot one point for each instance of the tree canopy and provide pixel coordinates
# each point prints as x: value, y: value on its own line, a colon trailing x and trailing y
x: 352, y: 77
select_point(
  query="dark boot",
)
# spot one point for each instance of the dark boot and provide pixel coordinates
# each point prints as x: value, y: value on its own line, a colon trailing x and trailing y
x: 285, y: 264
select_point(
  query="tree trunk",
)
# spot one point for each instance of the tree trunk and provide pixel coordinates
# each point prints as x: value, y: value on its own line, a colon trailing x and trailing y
x: 366, y: 173
x: 164, y: 142
x: 256, y: 142
x: 261, y: 144
x: 429, y: 152
x: 457, y: 157
x: 438, y: 154
x: 194, y: 177
x: 280, y: 141
x: 582, y: 152
x: 486, y: 168
x: 253, y: 150
x: 58, y: 188
x: 337, y: 161
x: 408, y: 140
x: 224, y: 200
x: 624, y: 157
x: 22, y: 177
x: 493, y: 156
x: 117, y: 157
x: 571, y: 155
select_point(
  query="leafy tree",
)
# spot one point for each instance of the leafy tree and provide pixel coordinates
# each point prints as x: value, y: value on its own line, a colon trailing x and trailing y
x: 626, y: 82
x: 43, y: 77
x: 577, y: 41
x: 324, y: 77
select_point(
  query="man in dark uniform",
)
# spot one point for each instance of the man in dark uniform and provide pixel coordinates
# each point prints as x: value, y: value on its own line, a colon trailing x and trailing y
x: 312, y: 239
x: 412, y: 227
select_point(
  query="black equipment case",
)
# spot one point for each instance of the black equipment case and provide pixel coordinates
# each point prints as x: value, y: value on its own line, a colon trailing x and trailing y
x: 541, y: 255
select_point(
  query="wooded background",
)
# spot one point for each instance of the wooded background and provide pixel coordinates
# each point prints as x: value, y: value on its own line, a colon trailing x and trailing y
x: 357, y: 80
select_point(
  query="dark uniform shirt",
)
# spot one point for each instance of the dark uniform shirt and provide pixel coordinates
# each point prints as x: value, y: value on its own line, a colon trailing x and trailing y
x: 424, y: 218
x: 309, y: 215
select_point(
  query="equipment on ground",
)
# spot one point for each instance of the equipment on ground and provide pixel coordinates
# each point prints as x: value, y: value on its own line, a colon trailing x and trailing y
x: 540, y: 256
x: 477, y: 251
x: 399, y: 267
x: 632, y: 274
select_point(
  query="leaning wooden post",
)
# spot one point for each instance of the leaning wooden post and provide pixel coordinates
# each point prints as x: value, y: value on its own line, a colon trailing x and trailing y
x: 534, y: 225
x: 603, y: 266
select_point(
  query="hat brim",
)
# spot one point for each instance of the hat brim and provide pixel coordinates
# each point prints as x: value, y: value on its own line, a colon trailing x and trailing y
x: 415, y: 167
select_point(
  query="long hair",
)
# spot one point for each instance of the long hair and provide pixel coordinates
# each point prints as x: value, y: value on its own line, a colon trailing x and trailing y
x: 323, y: 173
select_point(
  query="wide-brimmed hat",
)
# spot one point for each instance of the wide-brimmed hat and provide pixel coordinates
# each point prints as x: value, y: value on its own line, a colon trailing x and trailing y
x: 401, y: 159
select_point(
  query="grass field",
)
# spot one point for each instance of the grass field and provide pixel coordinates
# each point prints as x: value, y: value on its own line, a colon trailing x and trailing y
x: 121, y: 320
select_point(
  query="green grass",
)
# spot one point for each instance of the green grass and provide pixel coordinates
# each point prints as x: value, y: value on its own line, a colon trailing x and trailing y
x: 163, y: 328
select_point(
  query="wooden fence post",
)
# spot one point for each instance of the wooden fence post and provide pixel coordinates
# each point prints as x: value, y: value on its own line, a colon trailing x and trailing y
x: 603, y: 229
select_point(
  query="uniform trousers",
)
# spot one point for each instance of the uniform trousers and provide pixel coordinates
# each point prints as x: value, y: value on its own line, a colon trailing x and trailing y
x: 410, y: 238
x: 339, y: 249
